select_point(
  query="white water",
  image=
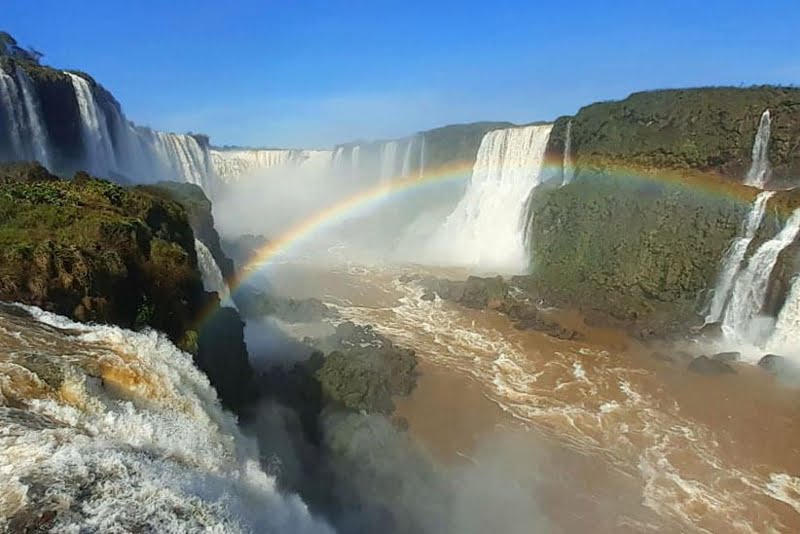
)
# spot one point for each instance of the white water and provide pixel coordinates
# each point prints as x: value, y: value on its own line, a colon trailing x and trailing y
x: 20, y: 111
x: 785, y: 339
x: 233, y: 165
x: 732, y: 262
x: 568, y: 166
x: 100, y: 158
x: 38, y: 132
x: 388, y: 165
x: 212, y: 276
x: 758, y: 175
x: 750, y: 288
x: 110, y: 430
x: 406, y: 169
x: 422, y: 157
x: 14, y: 115
x: 486, y: 229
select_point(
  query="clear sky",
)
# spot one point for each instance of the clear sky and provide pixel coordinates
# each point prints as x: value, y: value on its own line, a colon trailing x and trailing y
x: 314, y: 73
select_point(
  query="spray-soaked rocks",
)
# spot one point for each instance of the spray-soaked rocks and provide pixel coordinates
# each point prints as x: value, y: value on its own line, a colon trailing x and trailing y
x: 708, y: 366
x: 311, y: 310
x: 496, y: 294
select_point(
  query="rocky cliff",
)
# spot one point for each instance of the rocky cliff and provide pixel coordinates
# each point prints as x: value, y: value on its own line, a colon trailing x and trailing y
x: 95, y: 251
x: 656, y: 197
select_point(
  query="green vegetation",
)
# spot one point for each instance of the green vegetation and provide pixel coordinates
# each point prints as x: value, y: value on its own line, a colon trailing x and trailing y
x: 456, y: 143
x: 95, y: 251
x: 707, y: 129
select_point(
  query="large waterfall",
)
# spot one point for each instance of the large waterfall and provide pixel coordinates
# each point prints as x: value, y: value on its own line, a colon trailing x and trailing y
x: 758, y: 175
x: 108, y: 430
x: 732, y: 262
x: 20, y: 112
x: 212, y: 276
x: 486, y: 228
x: 568, y: 167
x: 111, y: 145
x: 100, y: 158
x: 750, y: 288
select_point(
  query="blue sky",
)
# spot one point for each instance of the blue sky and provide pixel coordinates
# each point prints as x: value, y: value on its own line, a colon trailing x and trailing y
x: 314, y: 73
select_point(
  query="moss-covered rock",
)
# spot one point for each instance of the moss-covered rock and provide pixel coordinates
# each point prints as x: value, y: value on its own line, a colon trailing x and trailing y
x: 198, y: 207
x: 95, y: 251
x: 707, y: 129
x: 632, y: 246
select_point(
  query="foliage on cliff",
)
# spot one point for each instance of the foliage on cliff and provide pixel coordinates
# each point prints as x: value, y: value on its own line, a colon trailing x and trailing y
x: 456, y: 142
x: 198, y: 208
x: 95, y: 251
x: 707, y: 129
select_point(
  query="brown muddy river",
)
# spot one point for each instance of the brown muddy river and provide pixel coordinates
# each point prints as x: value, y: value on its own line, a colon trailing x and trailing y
x: 618, y: 441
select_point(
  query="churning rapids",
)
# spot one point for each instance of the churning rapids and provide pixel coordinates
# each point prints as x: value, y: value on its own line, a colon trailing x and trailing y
x: 107, y: 430
x: 633, y: 444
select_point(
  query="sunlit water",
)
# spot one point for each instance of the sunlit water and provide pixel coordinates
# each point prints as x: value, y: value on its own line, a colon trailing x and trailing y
x: 698, y: 453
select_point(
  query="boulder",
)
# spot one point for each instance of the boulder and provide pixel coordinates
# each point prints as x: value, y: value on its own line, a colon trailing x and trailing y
x: 727, y: 356
x: 706, y: 366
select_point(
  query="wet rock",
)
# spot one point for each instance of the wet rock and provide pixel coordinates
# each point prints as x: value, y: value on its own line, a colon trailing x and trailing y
x: 710, y: 330
x: 428, y: 296
x: 706, y: 366
x: 778, y: 364
x: 727, y: 356
x: 660, y: 356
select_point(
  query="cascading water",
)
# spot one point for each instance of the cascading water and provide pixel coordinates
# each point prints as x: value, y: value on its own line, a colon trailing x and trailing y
x: 387, y: 161
x: 568, y: 166
x: 212, y: 276
x: 734, y: 256
x: 109, y: 430
x: 486, y: 229
x: 758, y: 175
x: 784, y: 339
x: 38, y: 133
x: 14, y: 114
x: 750, y: 288
x: 233, y: 165
x: 100, y: 158
x: 406, y: 169
x: 422, y: 157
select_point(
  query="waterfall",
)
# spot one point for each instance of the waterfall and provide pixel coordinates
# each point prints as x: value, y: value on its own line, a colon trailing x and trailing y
x: 758, y: 175
x: 406, y: 169
x: 14, y: 115
x: 750, y: 288
x: 100, y: 157
x: 231, y: 166
x: 355, y: 160
x: 422, y: 157
x: 387, y: 161
x: 212, y: 276
x: 784, y: 339
x: 38, y: 132
x: 734, y: 256
x: 486, y: 229
x: 568, y: 167
x: 109, y: 430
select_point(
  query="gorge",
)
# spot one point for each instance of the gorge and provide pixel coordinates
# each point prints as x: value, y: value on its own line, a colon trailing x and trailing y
x: 590, y: 323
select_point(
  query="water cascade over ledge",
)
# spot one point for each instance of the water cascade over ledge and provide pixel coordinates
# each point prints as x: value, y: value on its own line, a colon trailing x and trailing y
x: 486, y: 229
x: 212, y: 276
x: 758, y: 175
x: 732, y: 262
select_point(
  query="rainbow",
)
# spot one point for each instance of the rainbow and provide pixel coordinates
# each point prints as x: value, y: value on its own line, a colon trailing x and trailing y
x: 335, y: 213
x: 698, y: 182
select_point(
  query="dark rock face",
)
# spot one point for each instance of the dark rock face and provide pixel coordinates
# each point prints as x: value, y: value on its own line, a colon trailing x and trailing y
x: 222, y: 356
x: 291, y: 310
x: 707, y: 366
x: 198, y: 208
